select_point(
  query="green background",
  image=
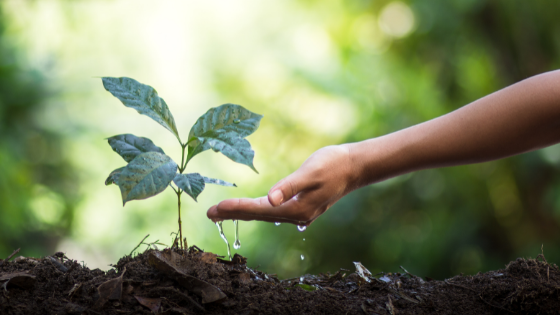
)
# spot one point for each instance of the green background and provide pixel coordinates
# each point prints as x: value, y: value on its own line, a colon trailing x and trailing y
x: 321, y: 73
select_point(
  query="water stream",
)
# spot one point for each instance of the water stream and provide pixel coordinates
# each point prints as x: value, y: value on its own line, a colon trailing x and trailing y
x: 222, y: 235
x: 237, y: 243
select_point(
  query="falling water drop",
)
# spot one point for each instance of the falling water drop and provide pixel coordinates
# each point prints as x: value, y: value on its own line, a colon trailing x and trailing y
x: 301, y: 279
x: 304, y: 239
x: 302, y: 258
x: 301, y: 228
x: 237, y: 243
x: 220, y: 229
x: 277, y: 223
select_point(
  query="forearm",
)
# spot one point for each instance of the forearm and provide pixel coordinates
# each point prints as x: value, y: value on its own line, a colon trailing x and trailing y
x: 517, y: 119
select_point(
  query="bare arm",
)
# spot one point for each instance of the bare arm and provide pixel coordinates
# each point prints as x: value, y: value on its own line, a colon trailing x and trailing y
x: 520, y: 118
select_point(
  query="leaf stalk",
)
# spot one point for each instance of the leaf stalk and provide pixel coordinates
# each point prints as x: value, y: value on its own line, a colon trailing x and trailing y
x: 183, y: 164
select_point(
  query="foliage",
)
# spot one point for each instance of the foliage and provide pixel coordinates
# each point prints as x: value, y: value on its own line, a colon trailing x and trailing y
x: 38, y: 194
x: 149, y: 170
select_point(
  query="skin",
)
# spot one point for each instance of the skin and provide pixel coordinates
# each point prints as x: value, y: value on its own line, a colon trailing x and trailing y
x: 517, y: 119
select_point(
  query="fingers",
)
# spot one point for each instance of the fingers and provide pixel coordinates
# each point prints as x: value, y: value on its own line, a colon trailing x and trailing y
x: 255, y: 209
x: 290, y: 186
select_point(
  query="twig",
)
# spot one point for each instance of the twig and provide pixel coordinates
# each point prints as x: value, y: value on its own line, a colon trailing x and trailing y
x: 480, y: 296
x: 142, y: 241
x: 10, y: 257
x: 402, y: 295
x: 198, y: 248
x: 58, y: 265
x: 390, y: 306
x: 541, y: 255
x: 411, y: 275
x: 406, y: 271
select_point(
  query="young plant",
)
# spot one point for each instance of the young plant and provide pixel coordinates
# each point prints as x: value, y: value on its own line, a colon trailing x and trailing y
x: 149, y: 170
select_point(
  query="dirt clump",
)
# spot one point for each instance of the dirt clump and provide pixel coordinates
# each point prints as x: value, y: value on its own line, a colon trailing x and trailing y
x: 197, y: 282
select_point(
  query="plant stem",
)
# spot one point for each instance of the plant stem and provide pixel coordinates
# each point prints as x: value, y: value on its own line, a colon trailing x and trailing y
x: 180, y: 227
x: 179, y: 191
x: 181, y: 169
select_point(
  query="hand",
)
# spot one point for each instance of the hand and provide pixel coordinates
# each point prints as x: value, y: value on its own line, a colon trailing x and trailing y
x: 520, y: 118
x: 300, y: 198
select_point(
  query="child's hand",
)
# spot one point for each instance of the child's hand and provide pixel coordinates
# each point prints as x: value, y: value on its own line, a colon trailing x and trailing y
x: 325, y: 177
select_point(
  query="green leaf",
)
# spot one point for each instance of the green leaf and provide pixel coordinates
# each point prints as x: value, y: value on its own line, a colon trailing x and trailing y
x: 226, y: 118
x: 114, y: 176
x: 192, y: 184
x: 216, y: 181
x: 146, y: 176
x: 129, y: 146
x: 229, y: 143
x: 143, y: 98
x: 233, y: 120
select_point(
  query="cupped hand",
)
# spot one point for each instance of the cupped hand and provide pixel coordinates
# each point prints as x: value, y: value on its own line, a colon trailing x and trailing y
x: 300, y: 198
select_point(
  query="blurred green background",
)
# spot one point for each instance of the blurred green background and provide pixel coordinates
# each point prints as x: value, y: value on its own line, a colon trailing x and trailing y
x: 321, y: 73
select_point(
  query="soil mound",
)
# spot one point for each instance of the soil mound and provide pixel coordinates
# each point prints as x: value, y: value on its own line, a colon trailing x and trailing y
x: 197, y: 282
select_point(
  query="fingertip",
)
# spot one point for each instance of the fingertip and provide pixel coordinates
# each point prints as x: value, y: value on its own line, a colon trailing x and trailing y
x: 212, y: 213
x: 228, y: 204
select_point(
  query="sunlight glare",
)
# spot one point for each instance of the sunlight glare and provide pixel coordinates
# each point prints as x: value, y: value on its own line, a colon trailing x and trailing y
x: 397, y: 19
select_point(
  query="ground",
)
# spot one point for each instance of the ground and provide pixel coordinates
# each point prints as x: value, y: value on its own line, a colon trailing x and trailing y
x: 197, y: 282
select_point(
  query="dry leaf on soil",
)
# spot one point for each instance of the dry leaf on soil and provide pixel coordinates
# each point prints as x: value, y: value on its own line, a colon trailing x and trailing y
x: 362, y: 271
x: 110, y: 290
x: 20, y: 279
x: 168, y: 266
x: 151, y: 303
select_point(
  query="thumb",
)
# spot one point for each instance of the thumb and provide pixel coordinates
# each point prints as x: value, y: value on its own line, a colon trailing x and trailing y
x: 287, y: 188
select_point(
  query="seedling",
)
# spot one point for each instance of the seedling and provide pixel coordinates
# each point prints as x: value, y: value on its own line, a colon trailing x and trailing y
x: 149, y: 170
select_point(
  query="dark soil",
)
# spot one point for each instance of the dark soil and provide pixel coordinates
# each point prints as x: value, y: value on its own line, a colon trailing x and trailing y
x: 173, y: 282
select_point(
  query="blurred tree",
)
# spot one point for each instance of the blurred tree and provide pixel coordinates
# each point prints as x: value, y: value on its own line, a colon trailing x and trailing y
x: 37, y: 192
x: 401, y: 63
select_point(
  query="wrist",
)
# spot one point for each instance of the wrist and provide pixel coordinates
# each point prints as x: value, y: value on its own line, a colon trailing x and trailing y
x: 354, y: 169
x: 381, y: 158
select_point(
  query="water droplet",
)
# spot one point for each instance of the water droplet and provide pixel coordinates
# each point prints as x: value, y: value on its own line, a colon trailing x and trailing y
x: 304, y: 239
x: 301, y: 228
x: 301, y: 279
x: 236, y: 121
x: 277, y: 223
x: 302, y: 258
x: 220, y: 229
x: 237, y: 243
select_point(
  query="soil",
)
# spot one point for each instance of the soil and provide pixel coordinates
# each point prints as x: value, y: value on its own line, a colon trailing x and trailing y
x: 197, y: 282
